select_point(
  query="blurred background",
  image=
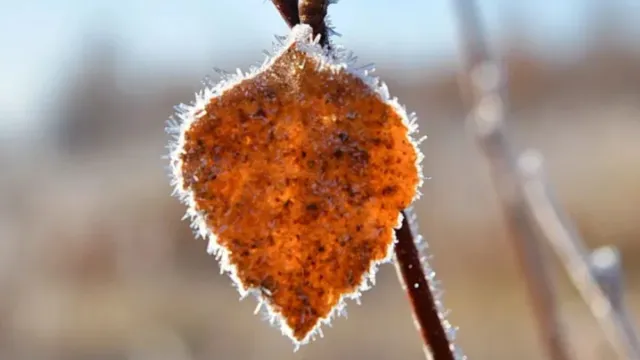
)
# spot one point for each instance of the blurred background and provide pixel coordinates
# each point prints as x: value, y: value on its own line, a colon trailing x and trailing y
x: 95, y: 262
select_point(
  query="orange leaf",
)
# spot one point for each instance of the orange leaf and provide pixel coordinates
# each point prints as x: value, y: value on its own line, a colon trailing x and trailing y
x: 297, y: 174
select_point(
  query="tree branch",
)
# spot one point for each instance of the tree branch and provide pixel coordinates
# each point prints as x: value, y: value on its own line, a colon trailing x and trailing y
x: 598, y: 280
x: 313, y: 13
x: 531, y: 210
x: 481, y: 90
x: 288, y: 10
x: 437, y: 333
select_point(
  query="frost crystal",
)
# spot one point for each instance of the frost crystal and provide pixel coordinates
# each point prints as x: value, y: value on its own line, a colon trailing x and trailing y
x: 296, y: 173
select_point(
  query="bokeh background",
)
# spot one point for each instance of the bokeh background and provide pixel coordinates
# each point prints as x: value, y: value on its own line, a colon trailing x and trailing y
x: 95, y: 262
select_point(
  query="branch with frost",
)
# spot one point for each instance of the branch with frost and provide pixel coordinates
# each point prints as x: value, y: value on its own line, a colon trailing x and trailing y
x: 532, y: 210
x: 310, y: 12
x: 416, y: 276
x: 313, y: 13
x: 482, y: 91
x: 418, y: 280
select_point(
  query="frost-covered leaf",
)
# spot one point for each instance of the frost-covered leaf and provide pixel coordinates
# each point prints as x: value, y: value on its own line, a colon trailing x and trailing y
x: 296, y: 173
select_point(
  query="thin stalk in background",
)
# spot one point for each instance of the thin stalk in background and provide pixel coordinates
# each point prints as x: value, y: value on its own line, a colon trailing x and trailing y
x: 597, y: 277
x: 532, y: 211
x: 481, y: 90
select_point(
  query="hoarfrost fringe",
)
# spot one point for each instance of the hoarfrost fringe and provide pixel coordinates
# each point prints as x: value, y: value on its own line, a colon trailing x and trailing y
x: 337, y: 59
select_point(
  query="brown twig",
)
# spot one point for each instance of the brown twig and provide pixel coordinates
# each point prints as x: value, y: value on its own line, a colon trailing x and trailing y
x: 313, y: 13
x: 310, y: 12
x: 481, y: 89
x: 437, y: 334
x: 288, y: 10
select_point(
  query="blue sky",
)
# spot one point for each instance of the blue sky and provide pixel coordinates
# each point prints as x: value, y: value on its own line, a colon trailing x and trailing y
x: 38, y: 38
